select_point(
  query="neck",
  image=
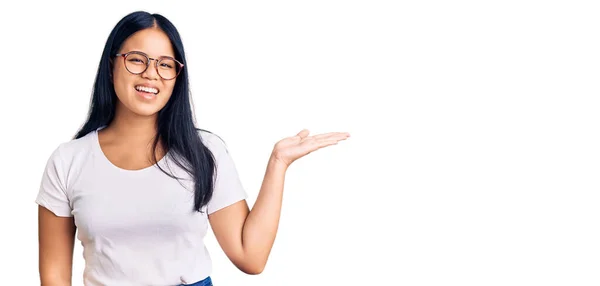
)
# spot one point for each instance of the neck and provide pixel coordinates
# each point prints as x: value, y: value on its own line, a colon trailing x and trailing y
x: 132, y: 127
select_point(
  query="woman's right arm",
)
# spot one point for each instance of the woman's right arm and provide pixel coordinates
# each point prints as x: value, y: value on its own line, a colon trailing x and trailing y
x: 56, y: 237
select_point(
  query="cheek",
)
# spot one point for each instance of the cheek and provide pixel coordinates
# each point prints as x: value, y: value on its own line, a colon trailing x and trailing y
x: 168, y: 89
x: 117, y: 70
x: 121, y: 86
x: 121, y: 81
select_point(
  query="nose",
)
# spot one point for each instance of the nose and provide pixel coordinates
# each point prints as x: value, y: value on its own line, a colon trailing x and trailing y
x: 151, y: 72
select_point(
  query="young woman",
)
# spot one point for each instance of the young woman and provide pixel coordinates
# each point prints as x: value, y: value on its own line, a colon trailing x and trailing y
x: 141, y: 183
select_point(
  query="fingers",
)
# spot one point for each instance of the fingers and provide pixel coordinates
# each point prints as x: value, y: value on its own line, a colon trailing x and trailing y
x: 320, y: 140
x: 333, y: 140
x: 326, y: 135
x: 330, y: 139
x: 332, y: 136
x: 327, y: 143
x: 303, y: 134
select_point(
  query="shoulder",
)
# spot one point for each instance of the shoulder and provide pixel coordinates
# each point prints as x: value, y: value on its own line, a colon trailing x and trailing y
x: 212, y: 141
x: 68, y: 152
x: 63, y: 165
x: 79, y: 145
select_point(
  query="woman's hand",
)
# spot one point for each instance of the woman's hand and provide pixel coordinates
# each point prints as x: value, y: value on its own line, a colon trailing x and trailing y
x: 247, y: 236
x: 292, y: 148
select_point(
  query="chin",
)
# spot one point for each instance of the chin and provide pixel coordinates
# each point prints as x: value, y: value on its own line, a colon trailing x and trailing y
x: 145, y: 111
x: 140, y: 109
x: 146, y: 107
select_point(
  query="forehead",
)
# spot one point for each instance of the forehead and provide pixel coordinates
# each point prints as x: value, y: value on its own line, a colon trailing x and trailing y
x: 152, y: 41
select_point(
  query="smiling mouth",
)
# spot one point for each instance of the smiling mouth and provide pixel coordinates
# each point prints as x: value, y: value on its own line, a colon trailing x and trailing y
x: 145, y: 89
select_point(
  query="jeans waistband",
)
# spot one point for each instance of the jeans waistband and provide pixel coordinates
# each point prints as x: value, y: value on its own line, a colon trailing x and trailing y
x: 205, y: 282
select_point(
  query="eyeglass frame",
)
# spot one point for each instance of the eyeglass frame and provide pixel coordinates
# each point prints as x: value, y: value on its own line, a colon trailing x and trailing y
x: 148, y: 63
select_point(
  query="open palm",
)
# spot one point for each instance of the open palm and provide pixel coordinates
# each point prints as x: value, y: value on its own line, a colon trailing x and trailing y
x: 292, y: 148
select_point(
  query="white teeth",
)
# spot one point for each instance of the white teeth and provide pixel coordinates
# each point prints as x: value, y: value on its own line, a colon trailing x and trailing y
x: 146, y: 89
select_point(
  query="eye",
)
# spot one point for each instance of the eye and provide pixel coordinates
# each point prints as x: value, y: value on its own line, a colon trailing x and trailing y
x: 137, y: 59
x: 167, y: 64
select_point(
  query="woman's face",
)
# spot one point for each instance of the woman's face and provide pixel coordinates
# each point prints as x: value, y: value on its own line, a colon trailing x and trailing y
x: 145, y: 93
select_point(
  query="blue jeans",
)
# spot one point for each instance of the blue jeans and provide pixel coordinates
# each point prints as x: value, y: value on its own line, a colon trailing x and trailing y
x: 205, y: 282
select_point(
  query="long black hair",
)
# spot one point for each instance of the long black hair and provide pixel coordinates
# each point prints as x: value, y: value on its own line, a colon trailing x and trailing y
x: 175, y: 124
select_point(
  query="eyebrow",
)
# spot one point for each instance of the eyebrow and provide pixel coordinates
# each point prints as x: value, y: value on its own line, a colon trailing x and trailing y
x: 162, y: 56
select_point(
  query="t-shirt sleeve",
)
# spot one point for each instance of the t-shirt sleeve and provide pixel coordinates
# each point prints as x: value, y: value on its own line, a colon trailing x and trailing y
x: 52, y: 193
x: 228, y: 188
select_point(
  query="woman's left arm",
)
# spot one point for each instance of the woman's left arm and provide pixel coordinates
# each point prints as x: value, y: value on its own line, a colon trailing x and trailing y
x: 246, y: 236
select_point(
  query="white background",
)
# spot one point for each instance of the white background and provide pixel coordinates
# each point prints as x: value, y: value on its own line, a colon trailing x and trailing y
x: 474, y: 157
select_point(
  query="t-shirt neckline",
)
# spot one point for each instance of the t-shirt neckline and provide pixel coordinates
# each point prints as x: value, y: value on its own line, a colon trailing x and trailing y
x: 98, y: 148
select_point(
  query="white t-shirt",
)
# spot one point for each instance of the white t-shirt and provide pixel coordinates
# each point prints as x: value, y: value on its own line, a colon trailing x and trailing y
x: 136, y: 227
